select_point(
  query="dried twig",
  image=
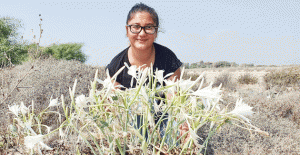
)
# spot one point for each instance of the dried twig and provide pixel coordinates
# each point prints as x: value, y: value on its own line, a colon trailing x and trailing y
x: 16, y: 87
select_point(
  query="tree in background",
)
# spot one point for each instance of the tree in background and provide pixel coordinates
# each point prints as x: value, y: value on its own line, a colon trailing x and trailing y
x: 11, y: 50
x: 70, y: 51
x: 222, y: 64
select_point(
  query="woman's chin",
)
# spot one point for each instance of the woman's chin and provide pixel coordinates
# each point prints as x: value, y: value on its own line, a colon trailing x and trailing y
x: 142, y: 47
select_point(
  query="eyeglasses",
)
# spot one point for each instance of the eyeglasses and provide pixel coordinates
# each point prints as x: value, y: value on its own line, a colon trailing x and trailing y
x: 137, y: 29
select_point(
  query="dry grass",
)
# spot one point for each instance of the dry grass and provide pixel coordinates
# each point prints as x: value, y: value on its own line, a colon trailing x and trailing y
x: 277, y: 110
x: 247, y: 79
x: 50, y: 77
x: 283, y: 78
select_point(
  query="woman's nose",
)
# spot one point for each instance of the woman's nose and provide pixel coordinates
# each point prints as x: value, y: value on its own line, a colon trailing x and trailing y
x: 142, y: 32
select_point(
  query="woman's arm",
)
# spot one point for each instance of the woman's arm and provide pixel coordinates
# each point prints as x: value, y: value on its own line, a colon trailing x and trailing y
x: 175, y: 75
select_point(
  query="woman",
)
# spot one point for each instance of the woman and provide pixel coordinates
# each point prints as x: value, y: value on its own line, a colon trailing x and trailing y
x: 141, y: 30
x: 142, y: 24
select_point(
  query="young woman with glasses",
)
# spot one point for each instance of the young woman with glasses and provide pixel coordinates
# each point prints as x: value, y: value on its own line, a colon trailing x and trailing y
x: 141, y: 29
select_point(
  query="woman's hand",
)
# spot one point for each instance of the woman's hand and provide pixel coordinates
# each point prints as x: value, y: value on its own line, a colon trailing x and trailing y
x: 183, y: 128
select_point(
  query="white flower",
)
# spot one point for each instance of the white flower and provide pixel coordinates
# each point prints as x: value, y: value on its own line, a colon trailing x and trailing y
x: 106, y: 83
x: 208, y: 92
x: 144, y: 94
x: 32, y: 141
x: 144, y: 76
x: 28, y: 124
x: 172, y: 84
x: 132, y: 71
x: 159, y: 75
x: 194, y: 136
x: 139, y: 109
x: 53, y: 102
x: 81, y: 101
x: 241, y: 109
x: 194, y: 102
x: 61, y: 133
x: 185, y: 84
x: 14, y: 109
x: 23, y: 108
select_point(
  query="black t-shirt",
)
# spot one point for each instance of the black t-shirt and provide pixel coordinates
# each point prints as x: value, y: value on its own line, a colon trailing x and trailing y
x: 165, y: 60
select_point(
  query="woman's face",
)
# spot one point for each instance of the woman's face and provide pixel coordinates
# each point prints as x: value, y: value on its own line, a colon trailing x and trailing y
x: 142, y: 40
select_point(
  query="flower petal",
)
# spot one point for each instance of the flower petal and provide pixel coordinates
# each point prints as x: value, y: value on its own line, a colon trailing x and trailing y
x: 14, y: 109
x: 31, y: 141
x: 53, y: 102
x: 81, y: 101
x: 23, y: 108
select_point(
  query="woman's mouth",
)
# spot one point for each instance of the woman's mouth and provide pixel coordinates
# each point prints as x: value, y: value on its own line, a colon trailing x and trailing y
x: 142, y: 40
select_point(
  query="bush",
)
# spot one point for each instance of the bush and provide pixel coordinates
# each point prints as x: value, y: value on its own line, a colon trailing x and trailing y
x: 283, y: 78
x: 67, y: 52
x: 222, y: 64
x: 247, y: 79
x: 226, y: 80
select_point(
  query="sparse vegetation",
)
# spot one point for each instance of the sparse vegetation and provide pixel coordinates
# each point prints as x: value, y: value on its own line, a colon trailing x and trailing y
x: 283, y: 78
x: 280, y: 110
x: 247, y: 79
x: 226, y: 80
x: 37, y: 82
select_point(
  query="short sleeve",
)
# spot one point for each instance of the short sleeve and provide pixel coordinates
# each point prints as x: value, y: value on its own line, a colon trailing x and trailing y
x: 166, y: 59
x: 174, y: 62
x: 116, y: 63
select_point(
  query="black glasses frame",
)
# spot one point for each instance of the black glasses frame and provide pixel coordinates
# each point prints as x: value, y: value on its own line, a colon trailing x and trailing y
x: 142, y: 27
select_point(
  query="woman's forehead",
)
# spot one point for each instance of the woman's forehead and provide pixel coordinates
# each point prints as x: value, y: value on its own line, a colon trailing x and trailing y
x: 141, y: 17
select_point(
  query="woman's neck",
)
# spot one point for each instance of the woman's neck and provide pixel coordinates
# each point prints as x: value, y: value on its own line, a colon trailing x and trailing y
x: 139, y: 58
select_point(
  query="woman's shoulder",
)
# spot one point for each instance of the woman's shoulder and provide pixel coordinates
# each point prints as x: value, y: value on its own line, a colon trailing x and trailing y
x: 159, y: 47
x: 117, y: 62
x: 120, y: 56
x: 164, y: 52
x: 166, y: 59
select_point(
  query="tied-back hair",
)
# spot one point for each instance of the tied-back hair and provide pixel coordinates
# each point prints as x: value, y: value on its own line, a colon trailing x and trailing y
x: 139, y: 7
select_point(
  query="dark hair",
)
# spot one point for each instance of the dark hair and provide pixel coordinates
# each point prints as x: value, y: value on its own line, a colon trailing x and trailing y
x: 139, y: 7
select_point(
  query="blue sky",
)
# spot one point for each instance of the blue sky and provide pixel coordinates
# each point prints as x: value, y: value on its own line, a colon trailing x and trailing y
x: 259, y: 32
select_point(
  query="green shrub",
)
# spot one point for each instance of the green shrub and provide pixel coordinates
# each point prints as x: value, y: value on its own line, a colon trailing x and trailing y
x: 11, y: 51
x: 70, y: 51
x: 247, y: 79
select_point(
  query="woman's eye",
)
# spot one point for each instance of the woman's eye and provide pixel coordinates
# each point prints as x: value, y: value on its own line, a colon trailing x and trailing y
x: 136, y: 26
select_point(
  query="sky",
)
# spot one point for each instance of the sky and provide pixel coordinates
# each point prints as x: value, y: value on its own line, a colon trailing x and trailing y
x: 255, y: 31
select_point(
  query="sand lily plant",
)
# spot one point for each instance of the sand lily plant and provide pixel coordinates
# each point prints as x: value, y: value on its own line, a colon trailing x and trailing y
x: 138, y: 120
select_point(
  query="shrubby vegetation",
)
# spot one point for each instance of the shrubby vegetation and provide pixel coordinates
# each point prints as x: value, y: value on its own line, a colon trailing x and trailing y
x: 226, y: 80
x: 283, y: 78
x: 11, y: 50
x: 218, y: 64
x: 106, y: 119
x: 14, y: 51
x: 247, y: 79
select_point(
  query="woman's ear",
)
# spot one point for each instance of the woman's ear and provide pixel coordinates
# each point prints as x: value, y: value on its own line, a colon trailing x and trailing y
x: 155, y: 36
x: 126, y: 31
